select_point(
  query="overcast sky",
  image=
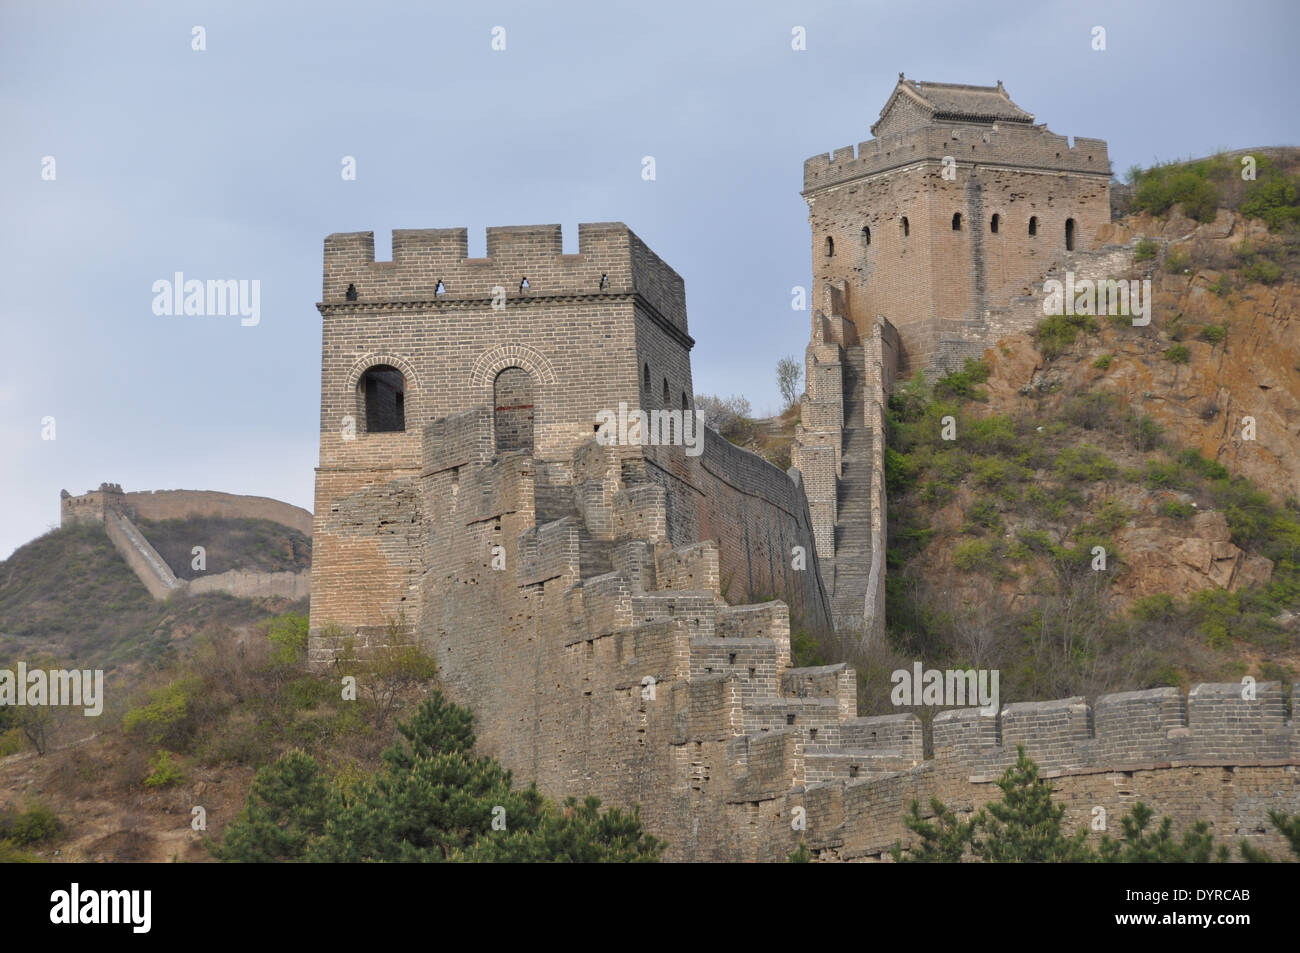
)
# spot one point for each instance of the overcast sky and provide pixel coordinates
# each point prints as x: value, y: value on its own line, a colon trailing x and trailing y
x: 225, y: 163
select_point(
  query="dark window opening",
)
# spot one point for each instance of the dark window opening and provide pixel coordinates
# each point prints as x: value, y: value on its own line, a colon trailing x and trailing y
x: 385, y: 394
x: 604, y: 282
x: 1069, y: 234
x: 830, y: 247
x: 512, y: 393
x: 523, y: 285
x: 1033, y: 225
x: 645, y: 378
x: 866, y: 234
x: 351, y: 293
x: 440, y: 289
x: 993, y: 223
x: 906, y: 229
x: 789, y: 719
x: 686, y: 404
x: 665, y: 392
x: 956, y: 221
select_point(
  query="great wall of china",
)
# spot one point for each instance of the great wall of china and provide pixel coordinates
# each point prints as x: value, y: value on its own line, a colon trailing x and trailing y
x: 601, y: 608
x: 118, y: 512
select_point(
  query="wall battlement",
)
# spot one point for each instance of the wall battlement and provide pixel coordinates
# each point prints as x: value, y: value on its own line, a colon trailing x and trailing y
x: 1033, y: 147
x: 611, y: 261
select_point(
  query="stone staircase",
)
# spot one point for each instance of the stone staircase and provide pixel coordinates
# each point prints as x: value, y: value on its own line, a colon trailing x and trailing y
x: 745, y: 649
x: 852, y: 562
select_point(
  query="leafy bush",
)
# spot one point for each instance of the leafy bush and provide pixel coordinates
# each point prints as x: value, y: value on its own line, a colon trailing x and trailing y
x: 960, y: 385
x: 1177, y: 354
x: 1221, y: 286
x: 1103, y: 361
x: 1146, y: 250
x: 1275, y: 200
x: 1056, y: 333
x: 1214, y: 333
x: 165, y: 719
x: 1176, y: 509
x: 1085, y: 463
x: 973, y: 554
x: 164, y: 771
x: 32, y: 826
x: 288, y: 633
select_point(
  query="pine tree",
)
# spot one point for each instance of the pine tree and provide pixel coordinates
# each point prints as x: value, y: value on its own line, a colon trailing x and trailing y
x: 943, y: 841
x: 1136, y: 846
x: 286, y: 811
x: 1025, y: 826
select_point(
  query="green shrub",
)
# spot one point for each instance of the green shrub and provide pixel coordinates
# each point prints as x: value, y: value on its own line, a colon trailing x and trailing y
x: 1177, y: 354
x: 1085, y: 463
x: 1209, y: 469
x: 1221, y: 286
x: 1056, y: 333
x: 984, y: 513
x: 1275, y: 200
x: 1158, y: 607
x: 165, y: 719
x: 1111, y: 515
x: 992, y: 434
x: 1176, y: 509
x: 1214, y: 333
x: 32, y: 826
x: 961, y: 384
x: 1177, y: 261
x: 288, y: 633
x: 1263, y: 271
x: 164, y: 771
x: 1103, y: 361
x: 1036, y: 540
x: 1164, y: 475
x: 1146, y: 250
x: 973, y: 554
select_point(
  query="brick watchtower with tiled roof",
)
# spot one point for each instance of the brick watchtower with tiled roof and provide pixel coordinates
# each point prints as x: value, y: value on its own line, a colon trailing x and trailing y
x: 959, y: 203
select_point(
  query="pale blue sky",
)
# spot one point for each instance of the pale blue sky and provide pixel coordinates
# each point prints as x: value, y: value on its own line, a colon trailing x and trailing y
x: 225, y: 164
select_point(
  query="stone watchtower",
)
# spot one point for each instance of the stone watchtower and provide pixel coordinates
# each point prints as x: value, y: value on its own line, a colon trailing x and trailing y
x: 545, y: 339
x: 921, y: 238
x: 958, y: 202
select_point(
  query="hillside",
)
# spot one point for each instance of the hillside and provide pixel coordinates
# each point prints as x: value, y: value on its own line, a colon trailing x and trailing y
x: 69, y: 595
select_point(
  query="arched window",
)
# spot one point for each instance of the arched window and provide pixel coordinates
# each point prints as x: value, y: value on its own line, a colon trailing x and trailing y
x: 512, y: 395
x: 384, y: 390
x: 830, y: 247
x: 906, y: 229
x: 665, y: 392
x: 866, y: 234
x: 993, y: 223
x: 351, y: 293
x: 1033, y: 225
x: 686, y: 404
x: 1069, y: 234
x: 956, y: 221
x: 645, y: 378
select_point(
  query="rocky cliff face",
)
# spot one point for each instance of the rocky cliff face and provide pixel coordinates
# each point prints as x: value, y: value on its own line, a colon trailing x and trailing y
x: 1223, y: 349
